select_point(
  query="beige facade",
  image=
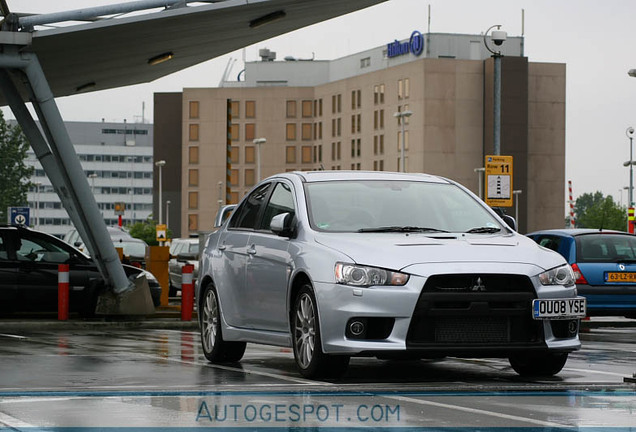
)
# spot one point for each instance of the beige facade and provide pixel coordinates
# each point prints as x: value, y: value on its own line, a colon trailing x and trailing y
x: 350, y: 124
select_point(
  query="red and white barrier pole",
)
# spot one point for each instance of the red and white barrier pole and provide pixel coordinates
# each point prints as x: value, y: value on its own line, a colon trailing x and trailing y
x: 187, y: 292
x: 63, y: 282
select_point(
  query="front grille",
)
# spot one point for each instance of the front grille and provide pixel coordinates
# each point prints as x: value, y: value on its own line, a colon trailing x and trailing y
x: 470, y: 310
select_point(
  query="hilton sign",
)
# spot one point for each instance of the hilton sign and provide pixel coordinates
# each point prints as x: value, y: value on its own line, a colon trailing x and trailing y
x: 415, y: 46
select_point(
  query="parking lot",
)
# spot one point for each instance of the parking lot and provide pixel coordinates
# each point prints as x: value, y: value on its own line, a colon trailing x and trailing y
x: 133, y: 375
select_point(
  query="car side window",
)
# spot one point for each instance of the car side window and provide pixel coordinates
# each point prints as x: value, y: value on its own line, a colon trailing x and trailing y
x: 3, y: 249
x: 550, y: 242
x: 282, y: 201
x: 41, y: 250
x: 246, y: 215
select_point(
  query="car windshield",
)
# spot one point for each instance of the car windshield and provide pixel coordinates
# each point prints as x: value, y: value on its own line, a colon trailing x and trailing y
x: 135, y: 249
x: 605, y: 248
x: 396, y: 206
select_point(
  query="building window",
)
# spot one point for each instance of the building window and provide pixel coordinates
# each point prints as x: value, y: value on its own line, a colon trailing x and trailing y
x: 407, y: 89
x: 400, y: 89
x: 234, y: 198
x: 290, y: 154
x: 194, y: 109
x: 235, y: 109
x: 338, y: 154
x: 193, y: 200
x: 339, y: 128
x: 250, y: 155
x: 375, y: 144
x: 365, y: 62
x: 381, y: 118
x: 353, y: 124
x: 250, y: 109
x: 235, y: 132
x: 353, y: 99
x: 291, y: 109
x: 234, y: 154
x: 333, y: 127
x: 358, y: 147
x: 305, y: 154
x: 193, y: 177
x: 307, y: 112
x: 234, y: 177
x: 194, y: 132
x: 306, y: 131
x: 291, y: 132
x: 353, y: 148
x: 375, y: 120
x: 250, y: 133
x: 250, y: 177
x: 193, y: 154
x: 193, y: 222
x: 359, y: 122
x: 381, y: 144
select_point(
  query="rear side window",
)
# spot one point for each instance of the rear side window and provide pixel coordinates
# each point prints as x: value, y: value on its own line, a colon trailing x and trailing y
x: 605, y: 248
x: 550, y: 242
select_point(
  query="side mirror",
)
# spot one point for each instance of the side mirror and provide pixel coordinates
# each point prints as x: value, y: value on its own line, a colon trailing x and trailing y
x: 283, y: 225
x: 510, y: 221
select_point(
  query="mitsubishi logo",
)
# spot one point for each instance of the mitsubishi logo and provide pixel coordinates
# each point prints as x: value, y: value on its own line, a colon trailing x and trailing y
x: 478, y: 286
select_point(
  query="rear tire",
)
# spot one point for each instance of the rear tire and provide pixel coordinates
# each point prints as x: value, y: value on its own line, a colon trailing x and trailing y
x: 544, y: 364
x: 215, y: 348
x: 311, y: 361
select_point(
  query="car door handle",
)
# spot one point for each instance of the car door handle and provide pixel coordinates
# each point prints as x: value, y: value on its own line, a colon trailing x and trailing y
x: 252, y: 250
x: 222, y: 247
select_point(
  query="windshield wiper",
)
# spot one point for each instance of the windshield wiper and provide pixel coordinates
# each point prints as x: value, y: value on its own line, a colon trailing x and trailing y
x: 401, y: 229
x: 483, y: 230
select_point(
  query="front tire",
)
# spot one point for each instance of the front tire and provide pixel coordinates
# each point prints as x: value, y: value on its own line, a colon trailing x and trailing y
x: 311, y: 361
x: 545, y: 364
x: 215, y: 348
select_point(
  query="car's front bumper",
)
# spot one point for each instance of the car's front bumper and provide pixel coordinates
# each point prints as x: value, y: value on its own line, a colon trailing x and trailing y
x: 401, y: 319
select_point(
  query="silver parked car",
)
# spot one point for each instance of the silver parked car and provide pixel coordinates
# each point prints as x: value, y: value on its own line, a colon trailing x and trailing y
x: 340, y: 264
x: 182, y: 251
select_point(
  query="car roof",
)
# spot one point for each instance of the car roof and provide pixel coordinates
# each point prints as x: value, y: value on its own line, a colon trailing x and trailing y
x: 325, y: 175
x: 574, y: 232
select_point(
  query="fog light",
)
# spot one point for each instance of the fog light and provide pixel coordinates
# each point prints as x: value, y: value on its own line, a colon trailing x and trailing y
x: 573, y: 327
x: 356, y: 328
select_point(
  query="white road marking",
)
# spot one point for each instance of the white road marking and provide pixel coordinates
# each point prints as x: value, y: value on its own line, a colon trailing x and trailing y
x: 477, y: 411
x: 13, y: 336
x: 13, y: 422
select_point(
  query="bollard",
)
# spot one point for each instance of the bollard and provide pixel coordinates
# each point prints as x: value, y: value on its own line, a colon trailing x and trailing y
x: 187, y: 292
x: 63, y: 282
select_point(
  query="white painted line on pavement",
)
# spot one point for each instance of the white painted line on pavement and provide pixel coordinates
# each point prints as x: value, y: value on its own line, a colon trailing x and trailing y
x: 13, y: 422
x: 477, y: 411
x: 13, y: 336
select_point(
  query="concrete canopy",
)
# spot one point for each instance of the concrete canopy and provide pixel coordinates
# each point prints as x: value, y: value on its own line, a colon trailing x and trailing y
x: 113, y: 53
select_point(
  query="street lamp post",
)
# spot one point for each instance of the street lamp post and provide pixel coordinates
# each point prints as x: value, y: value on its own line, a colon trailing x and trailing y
x: 167, y: 215
x: 498, y: 37
x: 480, y: 172
x: 92, y: 176
x: 401, y: 116
x: 37, y: 204
x: 160, y: 164
x: 516, y: 194
x: 630, y: 134
x: 258, y: 142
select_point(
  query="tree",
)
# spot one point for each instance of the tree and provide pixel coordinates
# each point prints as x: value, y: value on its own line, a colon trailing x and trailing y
x: 147, y: 231
x: 14, y: 172
x: 598, y: 211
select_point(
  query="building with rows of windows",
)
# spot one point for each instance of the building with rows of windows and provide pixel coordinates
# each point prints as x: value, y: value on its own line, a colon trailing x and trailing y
x: 117, y: 159
x: 341, y: 115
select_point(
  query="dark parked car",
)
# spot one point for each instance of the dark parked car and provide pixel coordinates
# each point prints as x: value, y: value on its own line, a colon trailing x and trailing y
x: 604, y: 263
x: 29, y: 262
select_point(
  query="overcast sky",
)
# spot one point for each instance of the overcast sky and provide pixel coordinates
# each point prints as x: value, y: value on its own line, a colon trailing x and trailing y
x: 595, y: 39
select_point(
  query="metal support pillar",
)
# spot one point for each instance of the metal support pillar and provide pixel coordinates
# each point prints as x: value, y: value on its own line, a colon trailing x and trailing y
x: 60, y: 162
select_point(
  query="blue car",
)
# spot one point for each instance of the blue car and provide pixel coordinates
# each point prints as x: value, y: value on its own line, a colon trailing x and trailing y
x: 604, y: 263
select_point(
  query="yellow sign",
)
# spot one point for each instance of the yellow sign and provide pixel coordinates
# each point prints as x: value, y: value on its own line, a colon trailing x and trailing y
x: 498, y: 181
x: 162, y: 235
x: 120, y: 208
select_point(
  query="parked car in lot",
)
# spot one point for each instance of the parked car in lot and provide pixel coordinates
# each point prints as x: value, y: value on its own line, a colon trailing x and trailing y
x: 29, y: 262
x: 182, y: 251
x: 340, y: 264
x: 134, y: 250
x: 604, y: 263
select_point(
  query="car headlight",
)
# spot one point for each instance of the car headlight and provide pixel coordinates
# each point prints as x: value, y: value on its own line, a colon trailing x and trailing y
x: 352, y: 274
x: 562, y: 275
